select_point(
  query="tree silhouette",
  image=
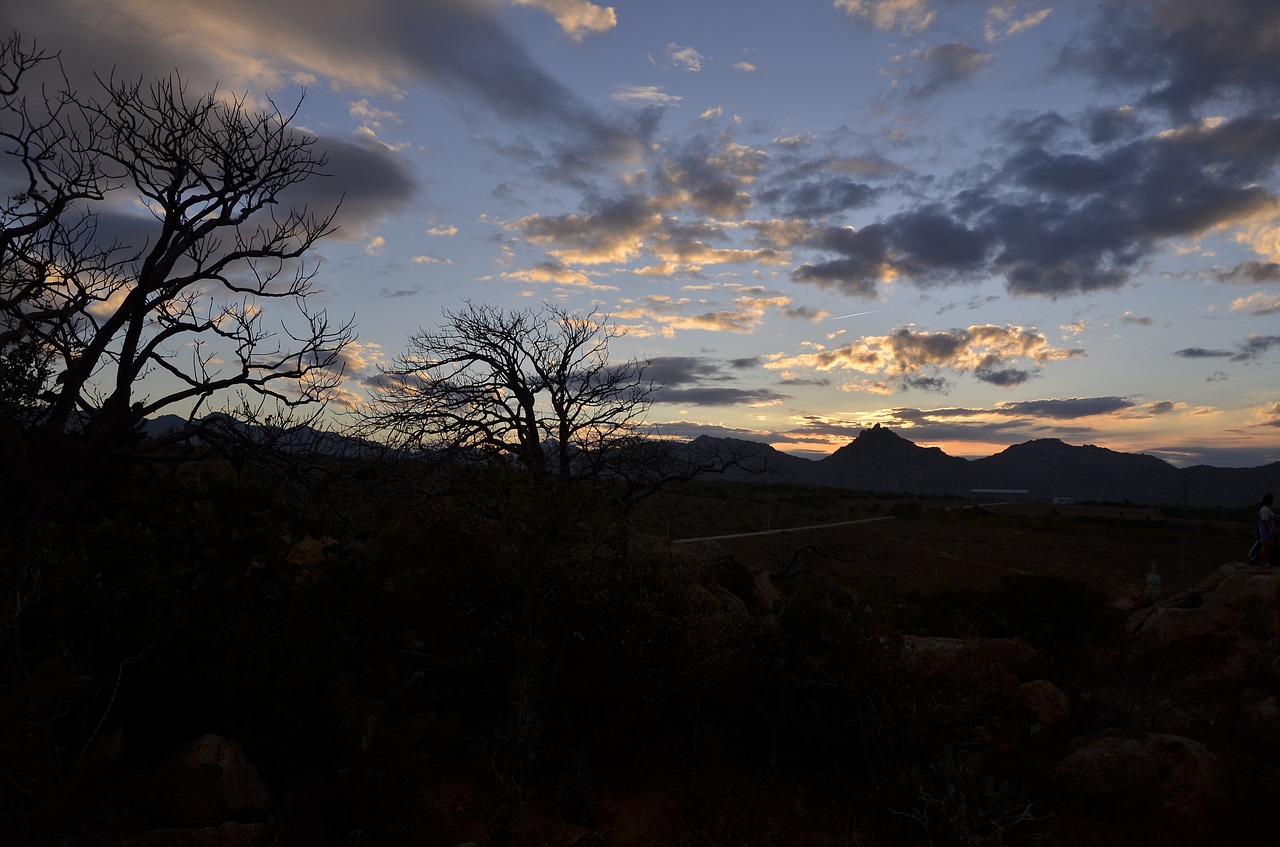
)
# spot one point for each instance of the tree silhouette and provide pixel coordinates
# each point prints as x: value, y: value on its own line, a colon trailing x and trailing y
x: 144, y: 235
x: 534, y: 385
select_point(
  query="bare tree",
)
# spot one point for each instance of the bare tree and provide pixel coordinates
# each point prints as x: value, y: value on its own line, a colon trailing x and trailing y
x: 534, y: 385
x: 144, y: 232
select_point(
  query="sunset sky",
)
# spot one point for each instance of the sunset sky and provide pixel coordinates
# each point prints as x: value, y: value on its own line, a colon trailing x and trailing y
x: 977, y: 224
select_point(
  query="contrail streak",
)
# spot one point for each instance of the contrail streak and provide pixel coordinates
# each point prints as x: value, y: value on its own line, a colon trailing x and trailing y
x: 856, y: 314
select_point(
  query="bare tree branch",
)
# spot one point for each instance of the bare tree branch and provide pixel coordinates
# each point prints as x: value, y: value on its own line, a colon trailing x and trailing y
x: 185, y: 307
x: 535, y: 386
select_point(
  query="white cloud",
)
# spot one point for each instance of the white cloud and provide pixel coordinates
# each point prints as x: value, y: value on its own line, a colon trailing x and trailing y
x: 1257, y: 304
x: 1027, y: 22
x: 578, y: 18
x: 370, y: 116
x: 643, y: 95
x: 685, y: 57
x: 1000, y: 22
x: 557, y: 275
x: 1263, y: 238
x: 376, y: 246
x: 904, y: 15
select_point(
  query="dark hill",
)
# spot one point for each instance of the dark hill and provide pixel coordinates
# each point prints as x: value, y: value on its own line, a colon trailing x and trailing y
x: 1049, y: 468
x: 881, y: 460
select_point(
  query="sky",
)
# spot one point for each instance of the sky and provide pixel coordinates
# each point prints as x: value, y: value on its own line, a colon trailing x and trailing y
x: 976, y: 224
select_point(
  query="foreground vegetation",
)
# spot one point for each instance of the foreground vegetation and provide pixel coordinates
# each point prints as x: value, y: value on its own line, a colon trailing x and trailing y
x: 510, y: 665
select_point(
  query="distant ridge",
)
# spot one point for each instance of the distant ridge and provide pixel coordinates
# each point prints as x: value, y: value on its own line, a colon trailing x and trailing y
x: 881, y: 460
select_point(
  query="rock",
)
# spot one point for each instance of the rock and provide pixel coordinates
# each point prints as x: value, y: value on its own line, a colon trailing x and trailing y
x: 1045, y: 702
x: 766, y: 592
x: 229, y: 834
x: 209, y: 781
x: 1247, y: 588
x: 727, y: 600
x: 1220, y: 640
x: 1104, y: 766
x: 307, y: 551
x: 1180, y: 777
x: 1191, y: 781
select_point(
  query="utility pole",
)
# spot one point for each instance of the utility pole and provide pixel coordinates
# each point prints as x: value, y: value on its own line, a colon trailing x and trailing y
x: 1186, y: 564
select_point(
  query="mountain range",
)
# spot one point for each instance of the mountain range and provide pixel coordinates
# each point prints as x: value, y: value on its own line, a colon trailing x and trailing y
x: 1044, y: 469
x: 881, y: 460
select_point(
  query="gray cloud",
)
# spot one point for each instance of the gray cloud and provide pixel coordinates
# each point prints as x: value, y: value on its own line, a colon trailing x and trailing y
x: 797, y: 381
x: 937, y: 384
x: 1184, y: 52
x: 1202, y: 353
x: 1004, y: 377
x: 926, y: 245
x: 718, y: 396
x: 701, y: 381
x: 819, y: 187
x: 714, y: 179
x: 1076, y: 407
x: 367, y: 179
x: 673, y: 371
x: 1251, y: 273
x: 1254, y: 347
x: 1251, y: 349
x: 1106, y: 126
x: 377, y: 46
x: 1034, y: 129
x: 1056, y: 221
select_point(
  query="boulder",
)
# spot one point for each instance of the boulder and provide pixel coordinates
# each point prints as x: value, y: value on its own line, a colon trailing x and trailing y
x: 1220, y: 635
x: 1104, y: 766
x: 307, y: 552
x: 1192, y: 784
x: 1180, y: 777
x: 727, y: 600
x: 208, y: 781
x: 766, y: 592
x: 1045, y: 702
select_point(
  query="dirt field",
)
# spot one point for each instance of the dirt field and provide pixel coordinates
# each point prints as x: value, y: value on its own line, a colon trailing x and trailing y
x: 1110, y: 548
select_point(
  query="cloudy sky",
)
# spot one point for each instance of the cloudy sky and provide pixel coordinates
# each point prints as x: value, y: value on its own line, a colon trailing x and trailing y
x: 978, y: 224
